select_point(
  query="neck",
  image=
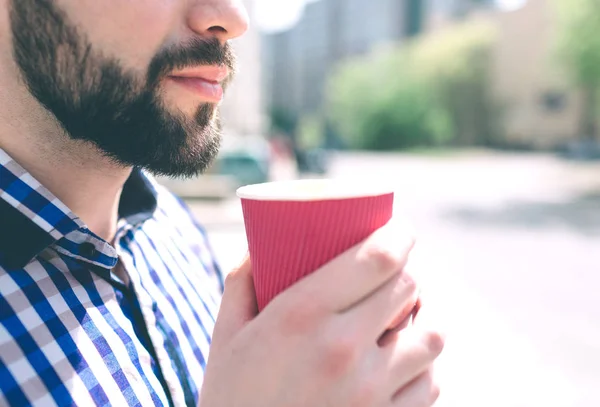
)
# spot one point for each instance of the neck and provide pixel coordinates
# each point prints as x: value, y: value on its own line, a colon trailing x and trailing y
x: 77, y: 173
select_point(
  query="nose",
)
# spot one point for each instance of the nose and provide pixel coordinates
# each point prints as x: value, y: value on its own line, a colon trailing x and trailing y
x: 224, y: 19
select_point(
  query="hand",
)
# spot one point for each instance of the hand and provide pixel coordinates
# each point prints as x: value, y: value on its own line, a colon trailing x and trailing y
x: 321, y: 343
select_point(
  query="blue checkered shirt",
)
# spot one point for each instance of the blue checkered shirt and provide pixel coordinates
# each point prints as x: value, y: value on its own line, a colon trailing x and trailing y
x: 71, y: 332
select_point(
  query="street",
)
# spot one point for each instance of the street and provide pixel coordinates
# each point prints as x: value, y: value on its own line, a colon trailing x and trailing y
x: 508, y: 255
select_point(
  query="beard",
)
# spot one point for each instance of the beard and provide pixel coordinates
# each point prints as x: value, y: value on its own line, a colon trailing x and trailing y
x: 95, y: 99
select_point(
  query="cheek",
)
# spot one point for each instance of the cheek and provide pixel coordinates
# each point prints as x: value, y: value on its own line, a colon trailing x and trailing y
x: 130, y: 30
x: 5, y: 42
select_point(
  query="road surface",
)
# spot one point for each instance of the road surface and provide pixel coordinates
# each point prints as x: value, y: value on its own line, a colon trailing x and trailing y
x: 509, y: 258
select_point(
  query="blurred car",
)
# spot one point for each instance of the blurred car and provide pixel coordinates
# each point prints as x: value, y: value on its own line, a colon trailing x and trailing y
x: 245, y: 160
x: 242, y: 167
x: 241, y: 161
x: 313, y: 161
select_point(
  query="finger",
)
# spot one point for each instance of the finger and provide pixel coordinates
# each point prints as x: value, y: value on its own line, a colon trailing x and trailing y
x: 428, y: 317
x: 406, y: 317
x: 392, y: 303
x: 238, y: 306
x: 421, y: 392
x: 411, y: 354
x: 418, y: 306
x: 362, y: 270
x: 392, y: 333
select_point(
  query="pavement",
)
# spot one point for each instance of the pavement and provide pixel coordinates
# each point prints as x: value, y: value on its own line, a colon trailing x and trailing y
x: 509, y: 259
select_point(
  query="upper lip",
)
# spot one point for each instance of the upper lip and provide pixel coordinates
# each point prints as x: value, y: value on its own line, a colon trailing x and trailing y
x: 210, y: 73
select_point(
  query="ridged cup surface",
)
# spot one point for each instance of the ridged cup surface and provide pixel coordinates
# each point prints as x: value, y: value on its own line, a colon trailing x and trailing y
x: 288, y: 239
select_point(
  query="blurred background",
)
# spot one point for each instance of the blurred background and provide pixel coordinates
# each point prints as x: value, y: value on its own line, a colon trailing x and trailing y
x: 484, y: 114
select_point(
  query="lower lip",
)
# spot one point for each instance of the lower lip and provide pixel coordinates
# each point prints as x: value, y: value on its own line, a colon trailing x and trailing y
x: 209, y: 91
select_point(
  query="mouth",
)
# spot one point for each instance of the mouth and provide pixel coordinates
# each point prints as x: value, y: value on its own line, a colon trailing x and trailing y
x: 204, y: 81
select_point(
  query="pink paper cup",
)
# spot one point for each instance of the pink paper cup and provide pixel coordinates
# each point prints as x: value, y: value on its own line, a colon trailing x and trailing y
x: 295, y: 227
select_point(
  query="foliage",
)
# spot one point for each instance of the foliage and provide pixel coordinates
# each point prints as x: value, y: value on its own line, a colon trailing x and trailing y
x: 311, y: 132
x: 426, y: 92
x: 578, y: 40
x: 578, y: 47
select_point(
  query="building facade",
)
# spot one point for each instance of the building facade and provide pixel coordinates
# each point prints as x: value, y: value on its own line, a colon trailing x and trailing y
x: 540, y: 108
x: 299, y: 60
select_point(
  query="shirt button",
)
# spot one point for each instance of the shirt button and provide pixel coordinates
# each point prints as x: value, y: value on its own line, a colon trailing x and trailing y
x: 88, y: 250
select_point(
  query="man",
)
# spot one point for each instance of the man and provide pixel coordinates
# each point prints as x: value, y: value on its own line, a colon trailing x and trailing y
x: 108, y: 290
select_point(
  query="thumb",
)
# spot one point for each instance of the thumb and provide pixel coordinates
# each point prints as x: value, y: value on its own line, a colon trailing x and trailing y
x: 238, y: 306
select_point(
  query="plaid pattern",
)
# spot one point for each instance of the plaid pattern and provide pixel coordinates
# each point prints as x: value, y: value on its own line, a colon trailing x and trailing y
x: 21, y: 190
x: 71, y: 333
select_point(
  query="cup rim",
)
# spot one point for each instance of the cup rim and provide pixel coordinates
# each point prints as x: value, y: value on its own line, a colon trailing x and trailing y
x: 339, y: 189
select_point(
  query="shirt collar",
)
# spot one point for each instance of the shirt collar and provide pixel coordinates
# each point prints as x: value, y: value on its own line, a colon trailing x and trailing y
x: 32, y: 218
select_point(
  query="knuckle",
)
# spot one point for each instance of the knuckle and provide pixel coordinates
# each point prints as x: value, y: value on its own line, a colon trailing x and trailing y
x: 409, y: 283
x: 434, y: 342
x: 340, y: 354
x: 299, y: 315
x: 380, y: 258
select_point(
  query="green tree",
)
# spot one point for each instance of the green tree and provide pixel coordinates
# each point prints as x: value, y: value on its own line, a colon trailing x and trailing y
x: 579, y: 48
x: 431, y: 91
x: 311, y: 132
x: 457, y: 62
x: 377, y: 102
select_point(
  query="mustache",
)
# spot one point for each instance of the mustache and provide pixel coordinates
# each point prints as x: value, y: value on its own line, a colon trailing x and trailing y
x: 194, y: 53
